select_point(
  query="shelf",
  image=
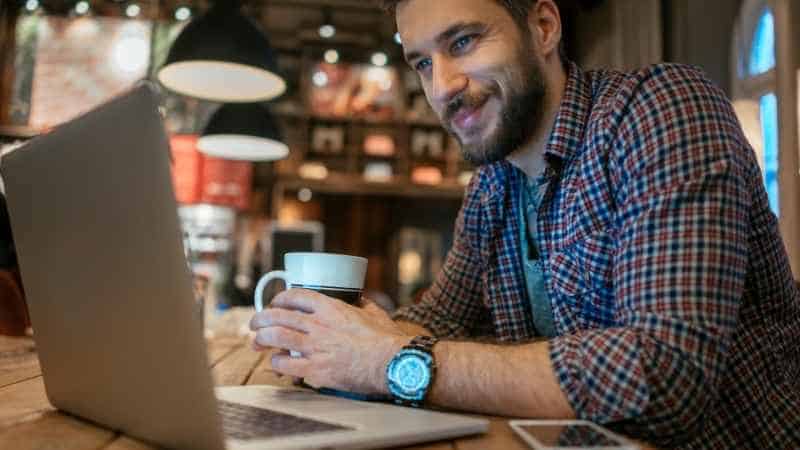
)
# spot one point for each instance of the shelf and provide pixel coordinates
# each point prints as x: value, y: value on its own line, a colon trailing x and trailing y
x: 423, y: 123
x: 346, y: 168
x: 356, y: 120
x: 348, y: 184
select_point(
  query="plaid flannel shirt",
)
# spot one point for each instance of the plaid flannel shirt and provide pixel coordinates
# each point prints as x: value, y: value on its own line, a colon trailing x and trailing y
x: 677, y: 317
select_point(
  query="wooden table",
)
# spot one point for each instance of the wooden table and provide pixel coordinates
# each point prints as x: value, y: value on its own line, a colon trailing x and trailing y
x: 28, y: 421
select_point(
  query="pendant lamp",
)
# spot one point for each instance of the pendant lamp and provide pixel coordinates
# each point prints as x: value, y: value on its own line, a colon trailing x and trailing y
x: 243, y: 131
x: 222, y: 56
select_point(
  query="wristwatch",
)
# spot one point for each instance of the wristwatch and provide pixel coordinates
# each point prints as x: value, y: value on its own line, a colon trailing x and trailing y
x: 410, y: 373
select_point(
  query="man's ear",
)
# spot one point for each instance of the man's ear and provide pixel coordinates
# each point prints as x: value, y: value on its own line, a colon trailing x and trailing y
x: 544, y: 23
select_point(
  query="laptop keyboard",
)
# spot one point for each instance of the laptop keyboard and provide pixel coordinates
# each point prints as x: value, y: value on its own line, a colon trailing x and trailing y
x: 245, y: 422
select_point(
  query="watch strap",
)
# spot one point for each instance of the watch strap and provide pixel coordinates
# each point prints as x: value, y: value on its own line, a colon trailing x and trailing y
x: 423, y: 343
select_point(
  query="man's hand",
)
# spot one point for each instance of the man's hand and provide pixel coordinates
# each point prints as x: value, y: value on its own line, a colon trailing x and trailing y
x: 343, y: 347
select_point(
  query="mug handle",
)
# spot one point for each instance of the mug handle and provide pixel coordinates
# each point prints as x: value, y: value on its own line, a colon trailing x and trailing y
x: 262, y: 283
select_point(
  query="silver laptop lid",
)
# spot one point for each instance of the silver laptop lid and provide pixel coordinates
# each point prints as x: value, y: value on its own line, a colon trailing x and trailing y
x: 96, y: 227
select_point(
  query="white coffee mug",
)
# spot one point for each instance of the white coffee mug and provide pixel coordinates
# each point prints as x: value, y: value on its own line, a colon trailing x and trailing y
x: 338, y: 276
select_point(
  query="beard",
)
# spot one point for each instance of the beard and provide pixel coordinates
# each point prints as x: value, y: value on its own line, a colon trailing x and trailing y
x: 520, y: 115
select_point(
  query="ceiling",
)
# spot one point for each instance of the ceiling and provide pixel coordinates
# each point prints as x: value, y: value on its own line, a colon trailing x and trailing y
x: 289, y: 23
x: 292, y: 25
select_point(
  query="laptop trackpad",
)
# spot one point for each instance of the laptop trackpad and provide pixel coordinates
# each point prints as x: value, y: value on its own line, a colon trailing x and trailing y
x: 246, y: 422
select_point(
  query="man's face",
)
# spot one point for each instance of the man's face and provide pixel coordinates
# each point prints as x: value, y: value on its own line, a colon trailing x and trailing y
x: 479, y: 70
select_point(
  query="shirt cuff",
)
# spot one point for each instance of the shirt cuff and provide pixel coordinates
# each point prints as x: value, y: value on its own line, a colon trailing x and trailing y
x: 600, y: 373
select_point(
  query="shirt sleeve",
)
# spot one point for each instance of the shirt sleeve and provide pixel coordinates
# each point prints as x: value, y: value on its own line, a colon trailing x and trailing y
x: 453, y: 305
x: 685, y: 178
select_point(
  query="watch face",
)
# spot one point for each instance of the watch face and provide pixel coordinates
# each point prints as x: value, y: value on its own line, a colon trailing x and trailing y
x: 412, y: 373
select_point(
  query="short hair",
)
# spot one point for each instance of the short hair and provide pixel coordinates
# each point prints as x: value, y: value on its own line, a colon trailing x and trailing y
x: 518, y: 9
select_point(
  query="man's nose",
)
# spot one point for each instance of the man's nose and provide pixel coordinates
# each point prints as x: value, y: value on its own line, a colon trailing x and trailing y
x: 448, y: 80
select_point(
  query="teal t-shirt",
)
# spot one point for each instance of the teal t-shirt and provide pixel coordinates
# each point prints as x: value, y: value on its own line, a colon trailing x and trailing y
x: 531, y: 194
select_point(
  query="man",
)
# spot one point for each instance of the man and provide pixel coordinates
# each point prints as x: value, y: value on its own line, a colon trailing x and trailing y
x: 616, y: 243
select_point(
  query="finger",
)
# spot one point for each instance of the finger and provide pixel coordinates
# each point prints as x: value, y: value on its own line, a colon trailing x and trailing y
x: 363, y: 302
x: 302, y: 300
x: 261, y: 348
x: 277, y: 352
x: 279, y: 317
x: 257, y: 320
x: 282, y: 338
x: 372, y: 308
x: 288, y: 365
x: 255, y: 346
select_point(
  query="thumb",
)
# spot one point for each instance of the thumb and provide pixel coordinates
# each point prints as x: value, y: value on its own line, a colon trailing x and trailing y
x: 368, y: 305
x: 372, y: 308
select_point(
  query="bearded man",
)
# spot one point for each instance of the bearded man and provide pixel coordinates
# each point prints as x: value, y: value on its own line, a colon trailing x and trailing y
x: 616, y: 245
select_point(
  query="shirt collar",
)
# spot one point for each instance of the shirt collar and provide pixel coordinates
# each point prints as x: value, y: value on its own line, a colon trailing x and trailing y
x: 563, y: 143
x: 570, y: 122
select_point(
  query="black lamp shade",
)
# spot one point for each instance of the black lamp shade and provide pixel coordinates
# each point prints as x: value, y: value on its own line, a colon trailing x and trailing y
x: 222, y: 56
x: 244, y: 131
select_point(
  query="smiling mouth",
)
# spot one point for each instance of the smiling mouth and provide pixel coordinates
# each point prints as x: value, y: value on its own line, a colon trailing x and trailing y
x: 468, y: 117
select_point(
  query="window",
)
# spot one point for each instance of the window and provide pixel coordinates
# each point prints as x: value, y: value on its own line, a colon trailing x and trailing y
x: 754, y: 90
x: 769, y: 126
x: 762, y: 52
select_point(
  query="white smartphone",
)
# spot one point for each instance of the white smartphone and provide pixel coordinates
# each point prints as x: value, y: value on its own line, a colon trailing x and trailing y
x: 568, y: 435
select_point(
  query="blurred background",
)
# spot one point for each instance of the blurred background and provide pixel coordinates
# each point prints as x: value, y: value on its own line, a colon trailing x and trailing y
x: 336, y: 149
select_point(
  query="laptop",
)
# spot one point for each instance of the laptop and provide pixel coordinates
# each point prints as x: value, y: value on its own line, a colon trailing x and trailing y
x: 119, y: 339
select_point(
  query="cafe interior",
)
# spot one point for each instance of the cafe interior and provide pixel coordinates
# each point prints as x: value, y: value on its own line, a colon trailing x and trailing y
x: 334, y: 147
x: 331, y: 146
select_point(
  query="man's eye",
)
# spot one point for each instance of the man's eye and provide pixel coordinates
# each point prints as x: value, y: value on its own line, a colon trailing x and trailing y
x: 423, y: 65
x: 461, y: 43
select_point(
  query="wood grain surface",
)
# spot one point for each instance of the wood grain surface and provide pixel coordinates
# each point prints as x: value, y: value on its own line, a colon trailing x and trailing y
x: 28, y: 421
